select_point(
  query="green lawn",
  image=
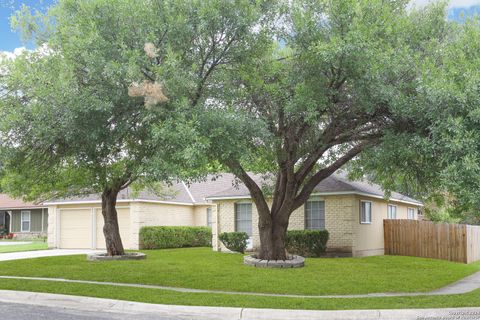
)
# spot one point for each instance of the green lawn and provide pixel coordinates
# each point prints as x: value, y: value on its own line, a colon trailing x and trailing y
x: 35, y: 245
x: 243, y: 301
x: 203, y: 269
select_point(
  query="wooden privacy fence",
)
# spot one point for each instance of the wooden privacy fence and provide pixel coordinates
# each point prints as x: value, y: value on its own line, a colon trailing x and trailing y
x: 447, y: 241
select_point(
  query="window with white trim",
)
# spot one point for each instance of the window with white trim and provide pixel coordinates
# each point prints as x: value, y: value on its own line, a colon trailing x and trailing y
x: 411, y: 213
x: 365, y: 212
x: 209, y: 217
x: 392, y: 212
x: 315, y: 215
x: 25, y: 221
x: 243, y: 218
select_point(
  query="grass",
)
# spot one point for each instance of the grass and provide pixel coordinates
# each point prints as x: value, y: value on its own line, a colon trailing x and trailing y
x: 35, y: 245
x: 244, y: 301
x: 201, y: 268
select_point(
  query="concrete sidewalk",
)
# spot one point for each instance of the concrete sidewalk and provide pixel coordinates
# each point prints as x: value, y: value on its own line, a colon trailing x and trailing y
x: 465, y: 285
x: 13, y: 243
x: 193, y: 312
x: 43, y: 253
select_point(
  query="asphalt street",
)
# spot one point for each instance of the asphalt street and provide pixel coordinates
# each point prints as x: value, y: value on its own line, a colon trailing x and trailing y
x: 19, y: 311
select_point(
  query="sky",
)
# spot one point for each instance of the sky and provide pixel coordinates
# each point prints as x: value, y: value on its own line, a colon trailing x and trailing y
x: 10, y: 40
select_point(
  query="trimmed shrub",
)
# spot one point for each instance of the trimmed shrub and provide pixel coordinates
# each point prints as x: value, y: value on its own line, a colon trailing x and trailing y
x: 175, y: 237
x: 235, y: 241
x: 306, y: 243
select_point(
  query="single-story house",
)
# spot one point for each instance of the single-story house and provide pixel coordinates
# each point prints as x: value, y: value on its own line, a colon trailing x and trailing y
x: 352, y: 212
x: 24, y: 219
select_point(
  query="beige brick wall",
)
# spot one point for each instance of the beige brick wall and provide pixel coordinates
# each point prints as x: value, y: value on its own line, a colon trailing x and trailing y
x: 338, y: 221
x: 200, y: 214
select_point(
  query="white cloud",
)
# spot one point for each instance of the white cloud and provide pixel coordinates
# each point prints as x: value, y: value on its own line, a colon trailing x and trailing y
x: 10, y: 54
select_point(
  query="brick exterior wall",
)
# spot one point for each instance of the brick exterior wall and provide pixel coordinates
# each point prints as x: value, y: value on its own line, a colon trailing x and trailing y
x: 338, y: 221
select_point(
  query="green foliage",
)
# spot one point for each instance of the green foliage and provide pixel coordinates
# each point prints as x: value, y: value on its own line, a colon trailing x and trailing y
x: 3, y: 230
x: 334, y: 81
x: 175, y: 237
x: 68, y: 121
x: 443, y: 154
x: 234, y: 241
x: 202, y: 268
x: 306, y: 243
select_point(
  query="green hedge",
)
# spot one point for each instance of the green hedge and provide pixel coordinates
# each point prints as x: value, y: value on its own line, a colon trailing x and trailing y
x: 235, y: 241
x: 175, y: 237
x: 306, y: 243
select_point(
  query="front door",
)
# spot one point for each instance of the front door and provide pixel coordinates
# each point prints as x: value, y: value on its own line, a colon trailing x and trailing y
x: 4, y: 222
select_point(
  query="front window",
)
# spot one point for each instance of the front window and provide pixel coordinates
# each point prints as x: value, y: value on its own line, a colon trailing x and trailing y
x: 411, y: 213
x: 315, y: 215
x: 25, y: 221
x: 365, y: 212
x: 392, y: 212
x: 209, y: 217
x: 243, y: 218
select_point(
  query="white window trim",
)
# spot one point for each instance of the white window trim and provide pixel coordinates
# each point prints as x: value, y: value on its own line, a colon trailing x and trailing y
x: 22, y: 220
x: 396, y: 211
x: 251, y: 215
x: 315, y: 199
x: 413, y: 217
x: 371, y: 213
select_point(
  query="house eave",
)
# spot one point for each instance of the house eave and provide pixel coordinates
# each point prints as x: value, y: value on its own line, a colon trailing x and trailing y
x: 52, y: 203
x: 23, y: 208
x: 363, y: 194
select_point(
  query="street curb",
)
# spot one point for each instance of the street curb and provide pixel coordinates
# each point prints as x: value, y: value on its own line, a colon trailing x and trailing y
x: 116, y: 306
x: 198, y: 312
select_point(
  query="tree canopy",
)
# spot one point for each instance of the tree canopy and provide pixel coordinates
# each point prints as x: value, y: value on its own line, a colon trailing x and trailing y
x: 101, y: 103
x: 338, y: 80
x: 292, y: 89
x: 444, y: 162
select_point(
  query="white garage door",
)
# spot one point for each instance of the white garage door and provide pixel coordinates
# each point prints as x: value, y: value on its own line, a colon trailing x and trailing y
x: 123, y: 224
x: 76, y: 228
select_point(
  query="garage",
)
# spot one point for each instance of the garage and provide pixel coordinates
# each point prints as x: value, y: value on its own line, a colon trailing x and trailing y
x: 123, y: 224
x: 76, y: 228
x: 82, y: 228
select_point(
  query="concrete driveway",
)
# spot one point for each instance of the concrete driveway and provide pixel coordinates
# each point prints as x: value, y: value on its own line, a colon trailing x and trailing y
x: 13, y: 243
x: 44, y: 253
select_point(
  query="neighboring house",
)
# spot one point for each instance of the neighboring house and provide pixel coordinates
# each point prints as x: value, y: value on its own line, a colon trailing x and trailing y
x: 352, y: 212
x: 24, y: 219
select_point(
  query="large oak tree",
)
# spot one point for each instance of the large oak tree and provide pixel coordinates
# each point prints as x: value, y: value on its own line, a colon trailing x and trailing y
x: 78, y: 113
x: 337, y: 79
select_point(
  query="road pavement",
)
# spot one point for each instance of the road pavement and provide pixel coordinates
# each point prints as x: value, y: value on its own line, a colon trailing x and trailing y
x: 33, y: 312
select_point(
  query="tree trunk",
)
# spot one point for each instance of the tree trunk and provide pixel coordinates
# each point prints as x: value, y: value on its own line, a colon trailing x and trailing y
x: 272, y: 229
x: 110, y: 218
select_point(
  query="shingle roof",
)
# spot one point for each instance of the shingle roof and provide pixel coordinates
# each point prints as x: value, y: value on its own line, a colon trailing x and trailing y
x: 7, y: 203
x: 170, y: 193
x: 225, y: 186
x: 336, y: 183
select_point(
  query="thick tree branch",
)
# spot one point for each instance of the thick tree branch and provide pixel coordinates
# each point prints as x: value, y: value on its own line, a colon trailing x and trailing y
x: 255, y: 190
x: 326, y: 172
